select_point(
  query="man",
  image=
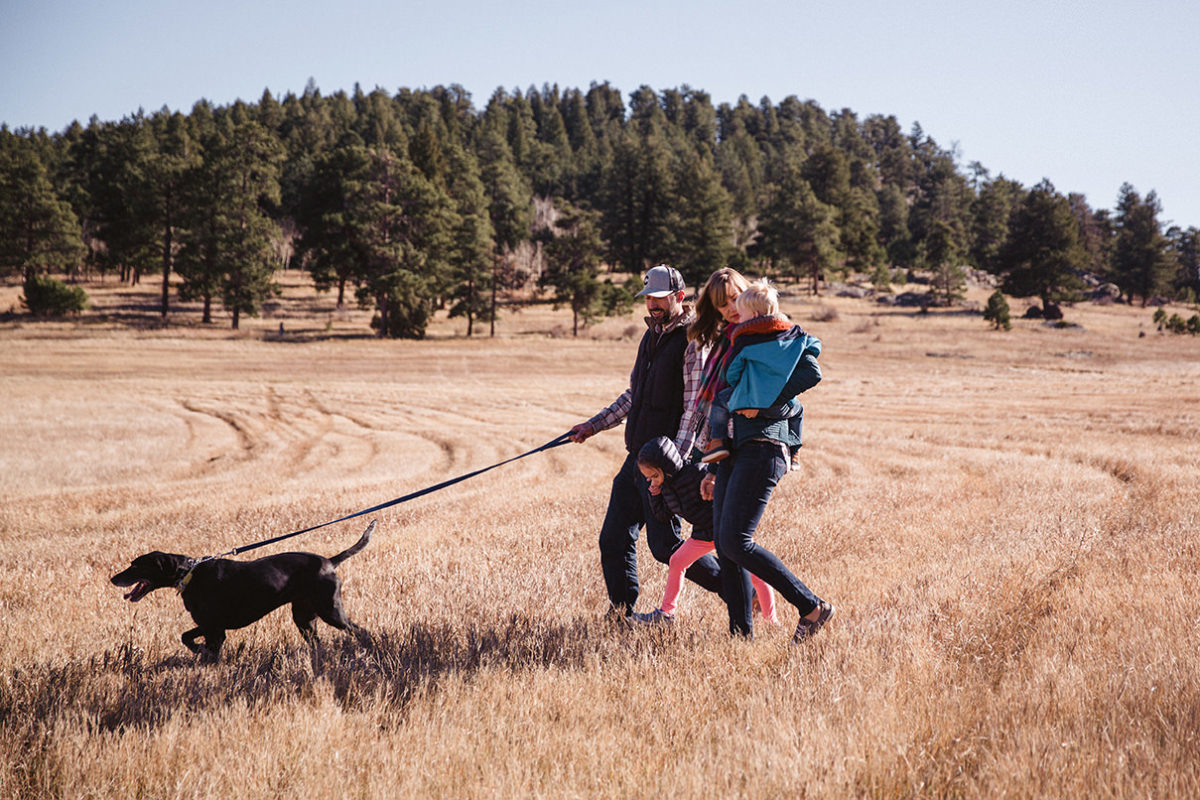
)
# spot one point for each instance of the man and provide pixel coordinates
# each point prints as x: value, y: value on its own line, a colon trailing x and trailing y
x: 660, y: 401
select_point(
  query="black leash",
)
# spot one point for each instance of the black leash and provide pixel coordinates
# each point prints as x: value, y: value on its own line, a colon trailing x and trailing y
x: 561, y: 440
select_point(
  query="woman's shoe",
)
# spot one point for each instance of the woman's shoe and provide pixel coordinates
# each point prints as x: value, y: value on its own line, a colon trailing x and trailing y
x: 807, y: 628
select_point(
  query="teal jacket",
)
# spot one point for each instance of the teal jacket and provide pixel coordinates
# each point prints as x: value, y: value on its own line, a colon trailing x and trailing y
x: 771, y: 361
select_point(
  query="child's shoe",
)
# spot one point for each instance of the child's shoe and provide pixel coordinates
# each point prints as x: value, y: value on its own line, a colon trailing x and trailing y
x: 655, y: 617
x: 716, y: 451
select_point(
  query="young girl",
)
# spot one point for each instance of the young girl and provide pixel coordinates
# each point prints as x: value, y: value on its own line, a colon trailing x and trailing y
x: 675, y: 490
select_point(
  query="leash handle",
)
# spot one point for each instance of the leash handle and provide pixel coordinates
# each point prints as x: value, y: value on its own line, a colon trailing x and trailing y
x: 555, y: 442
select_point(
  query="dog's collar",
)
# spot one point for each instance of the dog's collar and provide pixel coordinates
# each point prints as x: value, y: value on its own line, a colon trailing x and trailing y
x: 187, y: 575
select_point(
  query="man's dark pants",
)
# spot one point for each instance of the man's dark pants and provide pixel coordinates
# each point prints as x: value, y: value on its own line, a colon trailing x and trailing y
x: 628, y: 510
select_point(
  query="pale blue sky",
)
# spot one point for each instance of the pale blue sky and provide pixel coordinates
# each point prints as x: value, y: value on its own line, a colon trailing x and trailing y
x: 1087, y: 94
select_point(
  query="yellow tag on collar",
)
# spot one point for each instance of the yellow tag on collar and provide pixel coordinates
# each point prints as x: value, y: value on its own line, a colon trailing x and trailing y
x: 186, y: 580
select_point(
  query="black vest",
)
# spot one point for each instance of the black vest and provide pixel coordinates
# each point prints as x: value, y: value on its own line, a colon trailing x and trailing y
x: 657, y: 388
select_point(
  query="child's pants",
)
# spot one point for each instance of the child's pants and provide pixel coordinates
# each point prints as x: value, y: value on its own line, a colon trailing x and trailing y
x: 687, y: 554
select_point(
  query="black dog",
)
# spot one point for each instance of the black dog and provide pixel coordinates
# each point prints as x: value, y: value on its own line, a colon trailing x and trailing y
x: 221, y: 594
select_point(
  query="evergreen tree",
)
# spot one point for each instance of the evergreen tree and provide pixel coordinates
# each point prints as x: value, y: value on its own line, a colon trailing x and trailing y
x: 939, y: 193
x: 510, y: 210
x: 859, y: 224
x: 1096, y: 235
x: 941, y: 253
x: 997, y: 311
x: 1042, y: 255
x: 991, y: 211
x: 636, y: 201
x: 893, y: 226
x: 703, y: 233
x: 329, y: 247
x: 229, y: 248
x: 402, y: 221
x: 797, y: 230
x: 174, y: 155
x: 585, y: 171
x: 470, y: 238
x: 1141, y: 264
x: 740, y: 164
x: 119, y: 161
x: 893, y: 151
x: 38, y: 229
x: 573, y: 250
x: 1185, y: 247
x: 554, y: 164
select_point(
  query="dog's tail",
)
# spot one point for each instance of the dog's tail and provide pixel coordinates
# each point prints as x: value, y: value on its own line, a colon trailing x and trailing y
x: 357, y: 546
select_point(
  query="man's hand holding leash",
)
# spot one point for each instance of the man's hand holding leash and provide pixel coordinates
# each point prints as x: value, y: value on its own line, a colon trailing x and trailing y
x: 581, y: 432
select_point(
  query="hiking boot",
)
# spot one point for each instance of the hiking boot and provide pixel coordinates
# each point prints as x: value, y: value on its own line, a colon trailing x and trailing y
x: 806, y: 629
x: 655, y: 617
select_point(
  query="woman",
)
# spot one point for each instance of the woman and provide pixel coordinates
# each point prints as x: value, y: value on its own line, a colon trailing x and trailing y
x: 745, y: 480
x: 715, y: 312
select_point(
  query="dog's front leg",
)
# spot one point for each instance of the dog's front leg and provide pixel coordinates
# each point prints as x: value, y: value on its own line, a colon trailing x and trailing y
x: 189, y: 640
x: 212, y: 643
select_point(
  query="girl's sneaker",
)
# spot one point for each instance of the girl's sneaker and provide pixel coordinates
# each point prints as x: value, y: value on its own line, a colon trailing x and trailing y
x: 655, y: 617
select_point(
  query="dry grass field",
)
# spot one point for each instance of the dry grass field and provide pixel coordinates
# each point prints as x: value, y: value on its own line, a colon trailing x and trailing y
x: 1008, y: 524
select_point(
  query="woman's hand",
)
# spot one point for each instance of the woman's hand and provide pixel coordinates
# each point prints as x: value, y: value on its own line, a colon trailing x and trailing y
x: 748, y: 412
x: 706, y: 486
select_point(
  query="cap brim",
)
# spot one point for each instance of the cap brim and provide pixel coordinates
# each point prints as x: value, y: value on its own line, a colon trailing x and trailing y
x: 647, y: 293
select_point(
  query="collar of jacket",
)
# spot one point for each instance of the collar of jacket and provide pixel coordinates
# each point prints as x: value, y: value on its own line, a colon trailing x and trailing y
x: 683, y: 320
x: 771, y: 324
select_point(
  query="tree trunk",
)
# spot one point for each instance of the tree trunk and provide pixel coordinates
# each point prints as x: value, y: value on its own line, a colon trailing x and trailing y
x: 470, y: 304
x: 495, y: 281
x: 166, y: 262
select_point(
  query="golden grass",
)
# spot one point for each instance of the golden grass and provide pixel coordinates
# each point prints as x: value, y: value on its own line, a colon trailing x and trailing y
x: 1007, y: 524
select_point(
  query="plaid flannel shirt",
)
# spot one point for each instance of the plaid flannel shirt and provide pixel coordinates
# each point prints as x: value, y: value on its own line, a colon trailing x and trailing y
x: 693, y: 371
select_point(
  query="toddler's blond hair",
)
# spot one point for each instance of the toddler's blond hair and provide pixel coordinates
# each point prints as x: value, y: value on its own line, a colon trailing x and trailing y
x: 759, y: 299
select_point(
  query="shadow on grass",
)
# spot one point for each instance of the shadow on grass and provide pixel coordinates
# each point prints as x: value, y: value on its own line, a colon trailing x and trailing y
x: 123, y: 688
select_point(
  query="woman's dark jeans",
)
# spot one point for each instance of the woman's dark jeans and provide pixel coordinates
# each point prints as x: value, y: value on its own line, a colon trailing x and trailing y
x: 745, y: 481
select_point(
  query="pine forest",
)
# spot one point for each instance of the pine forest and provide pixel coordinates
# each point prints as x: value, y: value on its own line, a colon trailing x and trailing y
x: 415, y: 202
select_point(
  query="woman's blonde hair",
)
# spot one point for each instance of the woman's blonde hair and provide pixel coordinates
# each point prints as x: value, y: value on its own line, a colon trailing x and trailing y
x: 706, y: 330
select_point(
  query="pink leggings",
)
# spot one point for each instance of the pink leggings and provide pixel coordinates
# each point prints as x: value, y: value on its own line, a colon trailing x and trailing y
x: 691, y: 551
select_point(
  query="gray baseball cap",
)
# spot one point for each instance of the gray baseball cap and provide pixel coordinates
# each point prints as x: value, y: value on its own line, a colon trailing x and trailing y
x: 662, y: 281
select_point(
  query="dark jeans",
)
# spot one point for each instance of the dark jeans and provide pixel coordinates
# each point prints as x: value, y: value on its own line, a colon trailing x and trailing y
x: 745, y: 481
x: 628, y: 510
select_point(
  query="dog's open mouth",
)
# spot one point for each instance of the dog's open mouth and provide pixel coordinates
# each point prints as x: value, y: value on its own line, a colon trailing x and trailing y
x: 139, y: 590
